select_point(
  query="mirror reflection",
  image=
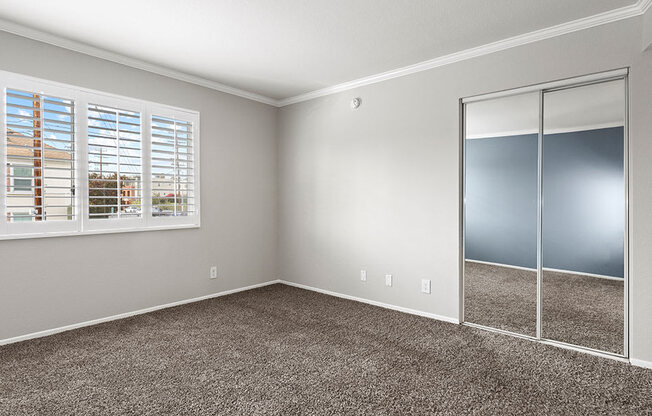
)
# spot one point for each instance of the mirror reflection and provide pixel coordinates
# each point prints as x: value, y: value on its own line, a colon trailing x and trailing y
x: 584, y: 216
x: 544, y: 216
x: 501, y: 156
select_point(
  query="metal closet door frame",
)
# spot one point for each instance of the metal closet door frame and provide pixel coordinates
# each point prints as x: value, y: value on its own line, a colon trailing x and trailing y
x: 568, y: 83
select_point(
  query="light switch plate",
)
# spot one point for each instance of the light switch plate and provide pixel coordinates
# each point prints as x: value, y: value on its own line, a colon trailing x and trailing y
x: 425, y: 285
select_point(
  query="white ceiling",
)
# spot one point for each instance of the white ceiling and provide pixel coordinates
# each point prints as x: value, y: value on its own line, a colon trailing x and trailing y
x: 283, y: 48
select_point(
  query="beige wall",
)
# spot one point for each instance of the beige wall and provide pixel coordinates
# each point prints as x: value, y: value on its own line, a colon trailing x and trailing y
x: 51, y: 282
x: 378, y: 188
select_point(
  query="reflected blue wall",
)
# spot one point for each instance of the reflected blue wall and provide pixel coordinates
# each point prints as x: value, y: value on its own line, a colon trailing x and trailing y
x: 583, y: 215
x: 501, y: 200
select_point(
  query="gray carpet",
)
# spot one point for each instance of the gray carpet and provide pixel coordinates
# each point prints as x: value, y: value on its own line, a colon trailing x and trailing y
x: 285, y: 351
x: 576, y: 309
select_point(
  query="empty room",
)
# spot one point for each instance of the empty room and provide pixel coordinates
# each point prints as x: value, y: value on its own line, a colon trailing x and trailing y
x: 373, y: 207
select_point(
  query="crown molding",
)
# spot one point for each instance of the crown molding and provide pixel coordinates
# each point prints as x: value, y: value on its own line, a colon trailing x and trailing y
x: 634, y: 10
x: 16, y: 29
x: 644, y: 5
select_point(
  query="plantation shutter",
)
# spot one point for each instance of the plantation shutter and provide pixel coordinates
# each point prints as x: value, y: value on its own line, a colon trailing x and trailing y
x: 173, y: 187
x: 114, y: 163
x: 40, y: 157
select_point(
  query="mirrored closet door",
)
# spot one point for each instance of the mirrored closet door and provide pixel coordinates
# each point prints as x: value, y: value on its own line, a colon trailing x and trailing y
x: 545, y: 221
x: 584, y: 216
x: 500, y: 264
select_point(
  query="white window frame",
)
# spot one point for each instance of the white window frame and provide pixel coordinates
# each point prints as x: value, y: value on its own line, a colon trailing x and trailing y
x: 18, y: 229
x: 82, y: 224
x: 181, y: 116
x: 109, y: 223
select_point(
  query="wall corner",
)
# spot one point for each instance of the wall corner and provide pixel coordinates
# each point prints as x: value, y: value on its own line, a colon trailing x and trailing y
x: 647, y: 31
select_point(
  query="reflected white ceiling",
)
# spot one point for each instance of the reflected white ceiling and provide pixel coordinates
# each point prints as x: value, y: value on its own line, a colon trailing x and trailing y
x: 573, y: 109
x: 283, y: 48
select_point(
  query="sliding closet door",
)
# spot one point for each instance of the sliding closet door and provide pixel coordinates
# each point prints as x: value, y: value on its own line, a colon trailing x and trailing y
x: 500, y: 225
x: 583, y: 216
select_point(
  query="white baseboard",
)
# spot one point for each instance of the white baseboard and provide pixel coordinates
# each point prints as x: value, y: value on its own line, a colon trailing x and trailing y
x: 129, y: 314
x: 641, y: 363
x: 633, y: 361
x: 375, y: 303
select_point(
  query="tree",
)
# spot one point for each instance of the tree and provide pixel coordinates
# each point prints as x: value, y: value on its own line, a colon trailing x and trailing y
x: 103, y: 193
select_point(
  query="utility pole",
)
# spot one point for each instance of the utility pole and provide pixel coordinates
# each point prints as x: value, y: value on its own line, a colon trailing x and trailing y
x: 37, y: 158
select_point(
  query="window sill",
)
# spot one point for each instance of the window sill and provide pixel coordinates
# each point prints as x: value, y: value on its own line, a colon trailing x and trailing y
x: 97, y: 232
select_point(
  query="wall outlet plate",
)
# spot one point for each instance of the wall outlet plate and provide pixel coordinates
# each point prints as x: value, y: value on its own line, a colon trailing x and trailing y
x: 363, y: 275
x: 425, y: 286
x: 388, y: 280
x: 213, y: 273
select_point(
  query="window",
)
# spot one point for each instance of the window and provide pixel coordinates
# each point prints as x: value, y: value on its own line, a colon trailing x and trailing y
x: 40, y: 156
x: 114, y: 163
x: 24, y: 216
x: 172, y: 167
x: 22, y: 179
x: 80, y: 161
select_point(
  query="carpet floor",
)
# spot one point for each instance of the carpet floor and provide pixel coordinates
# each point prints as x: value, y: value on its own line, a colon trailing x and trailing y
x: 279, y: 350
x: 579, y: 310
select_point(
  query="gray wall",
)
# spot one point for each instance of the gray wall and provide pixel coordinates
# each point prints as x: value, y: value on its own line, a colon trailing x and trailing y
x: 51, y: 282
x: 584, y: 195
x: 647, y: 30
x: 378, y: 188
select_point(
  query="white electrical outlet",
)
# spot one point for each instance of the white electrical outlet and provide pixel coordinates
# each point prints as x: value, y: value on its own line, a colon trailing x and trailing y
x: 425, y: 285
x: 363, y: 275
x: 213, y: 274
x: 388, y: 280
